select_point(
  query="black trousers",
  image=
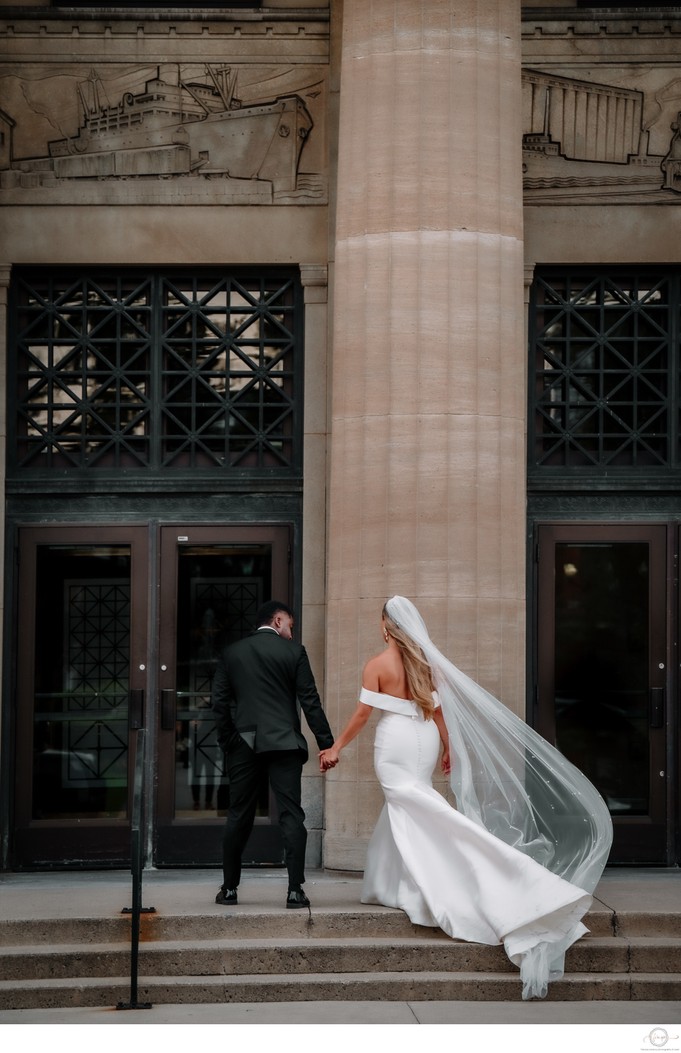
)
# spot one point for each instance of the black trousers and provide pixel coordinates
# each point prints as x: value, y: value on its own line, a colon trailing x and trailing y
x: 246, y: 769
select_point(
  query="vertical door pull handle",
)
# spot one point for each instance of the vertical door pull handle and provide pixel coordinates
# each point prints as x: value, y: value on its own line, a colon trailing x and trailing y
x: 656, y: 716
x: 168, y: 706
x: 135, y: 709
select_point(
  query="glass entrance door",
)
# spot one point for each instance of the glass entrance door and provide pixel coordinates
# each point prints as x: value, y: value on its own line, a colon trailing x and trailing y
x: 603, y: 673
x: 212, y: 581
x: 117, y: 629
x: 81, y: 649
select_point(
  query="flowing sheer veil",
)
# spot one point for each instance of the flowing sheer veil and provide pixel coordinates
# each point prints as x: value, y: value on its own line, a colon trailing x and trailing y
x: 507, y: 778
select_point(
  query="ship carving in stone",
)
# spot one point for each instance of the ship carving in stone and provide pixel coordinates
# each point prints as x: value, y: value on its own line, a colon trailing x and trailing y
x: 585, y: 141
x: 178, y: 127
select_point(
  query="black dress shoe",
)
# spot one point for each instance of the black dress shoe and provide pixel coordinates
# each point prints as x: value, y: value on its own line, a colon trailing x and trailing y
x: 296, y: 899
x: 227, y: 897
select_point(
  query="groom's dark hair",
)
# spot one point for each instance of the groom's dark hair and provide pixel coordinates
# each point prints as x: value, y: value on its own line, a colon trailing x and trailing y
x: 266, y: 613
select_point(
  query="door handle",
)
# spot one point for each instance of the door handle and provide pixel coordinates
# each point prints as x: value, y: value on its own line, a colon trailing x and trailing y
x: 656, y: 708
x: 135, y: 709
x: 168, y: 707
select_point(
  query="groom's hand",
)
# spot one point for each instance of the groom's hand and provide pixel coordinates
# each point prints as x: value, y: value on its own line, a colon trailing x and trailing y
x: 327, y: 760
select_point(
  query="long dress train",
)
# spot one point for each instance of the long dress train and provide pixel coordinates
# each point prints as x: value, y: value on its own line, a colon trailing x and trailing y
x: 446, y: 870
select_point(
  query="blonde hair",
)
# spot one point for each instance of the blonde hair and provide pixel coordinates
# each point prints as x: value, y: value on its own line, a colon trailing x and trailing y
x: 416, y: 666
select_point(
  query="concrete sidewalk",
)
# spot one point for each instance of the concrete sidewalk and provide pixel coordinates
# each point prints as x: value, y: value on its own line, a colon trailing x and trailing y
x: 192, y: 892
x: 646, y: 1014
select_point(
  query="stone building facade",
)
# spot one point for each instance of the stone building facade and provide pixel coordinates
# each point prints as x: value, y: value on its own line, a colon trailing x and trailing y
x: 333, y: 300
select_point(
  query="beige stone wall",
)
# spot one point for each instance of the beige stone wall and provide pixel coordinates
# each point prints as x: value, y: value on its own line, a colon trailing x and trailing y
x: 604, y: 234
x: 158, y: 235
x: 427, y: 451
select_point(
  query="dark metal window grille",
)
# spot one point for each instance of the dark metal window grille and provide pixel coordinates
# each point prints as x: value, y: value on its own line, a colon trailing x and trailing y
x: 618, y: 5
x: 155, y: 372
x: 157, y: 6
x: 604, y: 353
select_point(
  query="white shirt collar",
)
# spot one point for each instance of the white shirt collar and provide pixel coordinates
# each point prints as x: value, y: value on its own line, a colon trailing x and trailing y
x: 270, y: 627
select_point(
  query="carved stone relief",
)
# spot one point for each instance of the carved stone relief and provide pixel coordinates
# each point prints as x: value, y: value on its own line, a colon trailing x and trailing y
x: 616, y: 142
x: 195, y: 133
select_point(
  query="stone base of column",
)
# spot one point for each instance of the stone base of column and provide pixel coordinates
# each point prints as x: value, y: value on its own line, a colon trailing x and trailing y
x: 345, y: 853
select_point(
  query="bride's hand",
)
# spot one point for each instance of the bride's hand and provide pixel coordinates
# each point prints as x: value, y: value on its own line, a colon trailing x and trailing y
x: 328, y: 759
x: 446, y: 763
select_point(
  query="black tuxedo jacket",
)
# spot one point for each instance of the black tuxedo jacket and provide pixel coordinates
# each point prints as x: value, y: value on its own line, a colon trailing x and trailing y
x: 259, y: 685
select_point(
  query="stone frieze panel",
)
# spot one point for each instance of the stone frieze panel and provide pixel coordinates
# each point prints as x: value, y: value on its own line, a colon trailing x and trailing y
x: 183, y: 133
x: 590, y: 141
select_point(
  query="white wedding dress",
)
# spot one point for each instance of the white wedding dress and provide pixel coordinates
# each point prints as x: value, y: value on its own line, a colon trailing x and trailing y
x: 444, y: 869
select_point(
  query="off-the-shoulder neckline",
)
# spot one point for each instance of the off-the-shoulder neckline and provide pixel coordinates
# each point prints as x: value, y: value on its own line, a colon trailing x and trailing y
x: 384, y: 694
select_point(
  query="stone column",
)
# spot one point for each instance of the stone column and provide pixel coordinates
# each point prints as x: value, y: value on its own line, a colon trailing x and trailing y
x: 314, y: 278
x: 427, y: 482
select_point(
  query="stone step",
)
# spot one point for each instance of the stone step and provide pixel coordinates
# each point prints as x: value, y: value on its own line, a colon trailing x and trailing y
x: 220, y: 923
x: 230, y: 957
x: 252, y: 923
x: 261, y: 952
x: 351, y: 986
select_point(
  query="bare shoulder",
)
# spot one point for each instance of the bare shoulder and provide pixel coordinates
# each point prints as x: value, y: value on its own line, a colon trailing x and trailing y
x: 385, y: 673
x: 371, y: 674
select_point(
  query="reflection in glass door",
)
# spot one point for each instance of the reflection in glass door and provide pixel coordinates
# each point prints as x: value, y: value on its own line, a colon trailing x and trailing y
x: 603, y: 669
x: 219, y: 591
x: 213, y: 582
x: 73, y: 690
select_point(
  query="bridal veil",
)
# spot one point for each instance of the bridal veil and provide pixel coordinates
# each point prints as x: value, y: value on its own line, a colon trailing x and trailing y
x: 508, y: 779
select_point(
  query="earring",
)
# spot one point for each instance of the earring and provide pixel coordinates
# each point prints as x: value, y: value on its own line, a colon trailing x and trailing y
x: 386, y: 635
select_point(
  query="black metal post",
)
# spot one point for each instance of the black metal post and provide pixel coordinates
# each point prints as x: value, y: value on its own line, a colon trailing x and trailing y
x: 136, y: 866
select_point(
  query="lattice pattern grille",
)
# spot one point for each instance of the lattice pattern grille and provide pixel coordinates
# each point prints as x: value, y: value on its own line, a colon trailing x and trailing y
x: 83, y: 373
x: 97, y: 627
x: 160, y: 372
x: 604, y: 349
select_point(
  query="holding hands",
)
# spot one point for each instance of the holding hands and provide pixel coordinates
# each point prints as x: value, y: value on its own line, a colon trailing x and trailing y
x: 328, y: 759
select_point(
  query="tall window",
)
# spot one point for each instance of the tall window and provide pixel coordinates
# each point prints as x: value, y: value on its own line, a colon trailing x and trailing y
x: 155, y: 372
x: 605, y: 371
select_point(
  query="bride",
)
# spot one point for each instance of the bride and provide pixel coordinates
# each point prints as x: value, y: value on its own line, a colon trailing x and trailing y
x: 517, y: 860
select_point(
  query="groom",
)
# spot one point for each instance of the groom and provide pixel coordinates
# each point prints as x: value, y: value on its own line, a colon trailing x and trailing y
x: 259, y: 684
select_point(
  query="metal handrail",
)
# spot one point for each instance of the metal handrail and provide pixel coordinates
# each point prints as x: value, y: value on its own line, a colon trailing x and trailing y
x: 136, y: 867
